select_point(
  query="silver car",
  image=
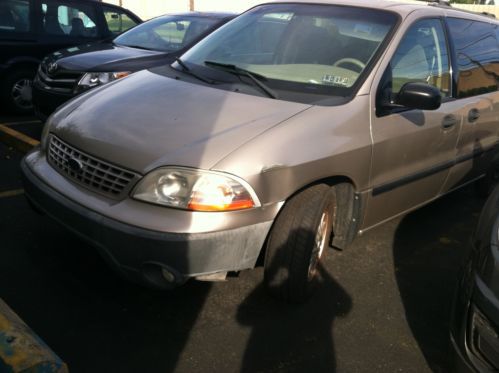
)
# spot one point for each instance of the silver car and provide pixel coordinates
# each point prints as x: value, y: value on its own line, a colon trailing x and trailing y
x: 287, y: 131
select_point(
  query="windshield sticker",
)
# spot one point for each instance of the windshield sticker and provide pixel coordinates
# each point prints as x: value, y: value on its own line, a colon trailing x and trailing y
x: 335, y: 80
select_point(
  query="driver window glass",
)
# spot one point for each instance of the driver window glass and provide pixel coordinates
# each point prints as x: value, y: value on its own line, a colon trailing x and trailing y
x: 421, y: 56
x: 117, y: 21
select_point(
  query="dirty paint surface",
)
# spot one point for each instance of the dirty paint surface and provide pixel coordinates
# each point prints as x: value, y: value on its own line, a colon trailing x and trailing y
x: 21, y: 350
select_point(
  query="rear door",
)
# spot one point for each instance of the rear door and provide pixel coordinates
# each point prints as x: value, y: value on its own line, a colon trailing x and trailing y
x: 476, y: 56
x: 17, y: 31
x: 68, y: 24
x: 413, y: 150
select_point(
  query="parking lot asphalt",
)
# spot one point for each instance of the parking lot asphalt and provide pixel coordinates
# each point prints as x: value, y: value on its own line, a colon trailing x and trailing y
x: 383, y: 305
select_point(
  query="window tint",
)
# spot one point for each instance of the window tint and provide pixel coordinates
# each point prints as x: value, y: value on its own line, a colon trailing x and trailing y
x: 422, y: 56
x: 14, y: 16
x: 166, y: 33
x: 117, y: 20
x: 67, y: 19
x: 477, y: 56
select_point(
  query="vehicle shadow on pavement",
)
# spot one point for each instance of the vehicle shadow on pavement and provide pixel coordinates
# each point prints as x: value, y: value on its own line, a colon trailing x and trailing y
x: 92, y: 319
x: 429, y: 247
x: 293, y: 337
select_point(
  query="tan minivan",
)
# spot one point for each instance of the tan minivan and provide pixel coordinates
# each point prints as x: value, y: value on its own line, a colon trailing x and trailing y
x: 291, y: 129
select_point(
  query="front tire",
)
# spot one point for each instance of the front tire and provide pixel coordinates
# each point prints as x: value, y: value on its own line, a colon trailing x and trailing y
x: 297, y: 242
x: 17, y: 90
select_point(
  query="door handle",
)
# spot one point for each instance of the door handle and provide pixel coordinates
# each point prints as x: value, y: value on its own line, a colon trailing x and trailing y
x: 449, y: 121
x: 473, y: 115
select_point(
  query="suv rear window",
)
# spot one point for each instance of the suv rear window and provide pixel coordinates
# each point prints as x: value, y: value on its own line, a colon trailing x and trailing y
x: 14, y: 16
x: 77, y: 20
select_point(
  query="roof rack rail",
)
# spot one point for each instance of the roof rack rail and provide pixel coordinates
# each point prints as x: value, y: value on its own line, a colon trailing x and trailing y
x: 446, y: 4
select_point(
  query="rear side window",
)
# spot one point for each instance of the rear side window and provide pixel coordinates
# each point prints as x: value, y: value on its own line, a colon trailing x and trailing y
x: 117, y: 20
x: 422, y: 56
x: 76, y: 20
x: 14, y: 16
x: 477, y: 55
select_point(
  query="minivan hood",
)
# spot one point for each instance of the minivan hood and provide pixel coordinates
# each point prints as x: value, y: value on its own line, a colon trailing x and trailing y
x: 148, y: 120
x: 105, y: 57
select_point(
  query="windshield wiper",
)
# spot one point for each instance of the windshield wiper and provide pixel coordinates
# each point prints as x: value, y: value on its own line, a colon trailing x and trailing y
x: 255, y: 77
x: 134, y: 46
x: 187, y: 70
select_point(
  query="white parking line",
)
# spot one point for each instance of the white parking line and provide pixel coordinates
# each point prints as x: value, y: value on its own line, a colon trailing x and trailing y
x: 11, y: 193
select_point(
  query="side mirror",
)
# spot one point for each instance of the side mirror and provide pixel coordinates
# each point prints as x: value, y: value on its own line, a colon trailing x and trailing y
x: 180, y: 26
x: 419, y: 96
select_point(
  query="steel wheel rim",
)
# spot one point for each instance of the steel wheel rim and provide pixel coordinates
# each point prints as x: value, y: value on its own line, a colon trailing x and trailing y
x: 319, y: 244
x: 21, y: 94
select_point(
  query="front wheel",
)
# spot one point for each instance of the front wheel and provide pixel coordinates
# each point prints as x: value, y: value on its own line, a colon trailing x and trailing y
x: 299, y: 237
x: 17, y: 90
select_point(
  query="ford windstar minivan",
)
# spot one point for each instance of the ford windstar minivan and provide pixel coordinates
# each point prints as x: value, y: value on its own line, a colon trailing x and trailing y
x: 289, y: 130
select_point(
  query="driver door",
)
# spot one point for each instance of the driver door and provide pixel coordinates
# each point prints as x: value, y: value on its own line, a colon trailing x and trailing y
x: 412, y: 149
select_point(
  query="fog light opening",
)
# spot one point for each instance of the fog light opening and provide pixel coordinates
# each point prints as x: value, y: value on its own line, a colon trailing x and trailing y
x: 167, y: 275
x: 161, y: 276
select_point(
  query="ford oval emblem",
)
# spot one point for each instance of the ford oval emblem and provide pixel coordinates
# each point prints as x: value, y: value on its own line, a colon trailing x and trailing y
x: 75, y: 165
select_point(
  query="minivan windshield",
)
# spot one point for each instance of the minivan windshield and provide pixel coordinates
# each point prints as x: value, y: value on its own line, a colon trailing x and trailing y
x: 304, y: 52
x: 166, y: 34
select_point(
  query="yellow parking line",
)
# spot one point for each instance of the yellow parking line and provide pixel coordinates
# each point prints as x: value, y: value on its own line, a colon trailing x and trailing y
x: 21, y: 122
x: 11, y: 193
x: 17, y: 139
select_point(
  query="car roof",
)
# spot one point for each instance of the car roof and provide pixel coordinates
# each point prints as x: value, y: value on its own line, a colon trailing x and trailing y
x: 402, y: 7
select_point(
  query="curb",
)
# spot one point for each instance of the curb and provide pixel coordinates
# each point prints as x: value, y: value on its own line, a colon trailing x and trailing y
x: 17, y: 139
x: 21, y: 350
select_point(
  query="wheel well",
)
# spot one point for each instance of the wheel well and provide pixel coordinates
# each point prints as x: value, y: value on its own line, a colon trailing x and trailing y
x: 349, y: 207
x: 20, y: 66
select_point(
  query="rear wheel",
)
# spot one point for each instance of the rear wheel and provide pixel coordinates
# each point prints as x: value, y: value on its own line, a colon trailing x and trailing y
x: 297, y: 242
x: 17, y: 90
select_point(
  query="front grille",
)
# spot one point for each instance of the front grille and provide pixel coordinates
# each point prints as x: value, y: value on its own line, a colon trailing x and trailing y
x: 62, y: 81
x: 96, y: 175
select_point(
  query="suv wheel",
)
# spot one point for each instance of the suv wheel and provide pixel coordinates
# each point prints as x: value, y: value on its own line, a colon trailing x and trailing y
x: 297, y: 242
x: 17, y: 91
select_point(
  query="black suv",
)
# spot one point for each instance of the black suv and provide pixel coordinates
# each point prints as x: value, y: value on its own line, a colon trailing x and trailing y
x: 31, y: 29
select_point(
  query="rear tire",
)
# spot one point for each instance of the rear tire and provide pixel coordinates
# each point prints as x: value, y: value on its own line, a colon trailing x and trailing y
x: 16, y: 90
x: 297, y: 242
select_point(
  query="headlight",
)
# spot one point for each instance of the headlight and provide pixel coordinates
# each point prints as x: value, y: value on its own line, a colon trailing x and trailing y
x: 196, y: 190
x: 90, y: 80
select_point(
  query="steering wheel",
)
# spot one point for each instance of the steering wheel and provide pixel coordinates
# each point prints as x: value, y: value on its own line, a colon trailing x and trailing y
x: 351, y: 61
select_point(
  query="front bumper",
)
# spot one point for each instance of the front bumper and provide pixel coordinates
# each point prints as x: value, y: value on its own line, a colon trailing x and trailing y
x: 142, y: 254
x: 46, y: 102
